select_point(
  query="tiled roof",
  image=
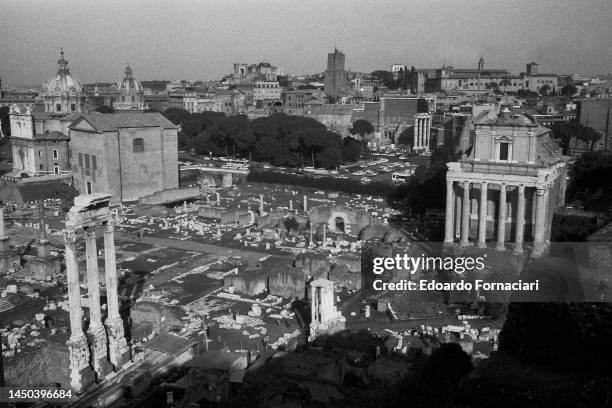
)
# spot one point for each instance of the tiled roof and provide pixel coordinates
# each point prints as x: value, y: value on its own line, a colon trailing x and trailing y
x: 109, y: 122
x: 51, y: 136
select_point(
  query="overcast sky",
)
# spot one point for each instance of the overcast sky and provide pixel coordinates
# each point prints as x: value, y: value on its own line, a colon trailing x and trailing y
x: 202, y: 39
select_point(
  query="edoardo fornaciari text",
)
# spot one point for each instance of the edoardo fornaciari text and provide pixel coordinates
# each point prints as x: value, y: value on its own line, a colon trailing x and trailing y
x: 462, y: 285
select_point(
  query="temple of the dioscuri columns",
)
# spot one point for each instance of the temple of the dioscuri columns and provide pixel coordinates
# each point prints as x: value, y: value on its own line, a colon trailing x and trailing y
x: 103, y: 349
x: 506, y: 186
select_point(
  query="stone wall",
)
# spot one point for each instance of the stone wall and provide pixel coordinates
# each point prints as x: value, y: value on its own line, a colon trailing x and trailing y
x: 170, y: 196
x: 150, y: 312
x: 40, y: 367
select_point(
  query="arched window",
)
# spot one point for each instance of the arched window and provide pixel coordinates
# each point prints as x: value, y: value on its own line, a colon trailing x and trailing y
x: 138, y: 145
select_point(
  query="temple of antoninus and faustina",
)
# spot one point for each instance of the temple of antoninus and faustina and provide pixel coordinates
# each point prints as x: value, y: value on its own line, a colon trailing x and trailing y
x: 505, y: 188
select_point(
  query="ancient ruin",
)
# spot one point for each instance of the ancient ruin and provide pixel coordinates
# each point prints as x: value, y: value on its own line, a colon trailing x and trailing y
x: 325, y: 318
x: 88, y: 212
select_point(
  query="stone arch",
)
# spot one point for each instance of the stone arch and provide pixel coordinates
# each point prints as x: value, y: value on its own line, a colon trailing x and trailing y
x: 340, y: 224
x: 333, y: 222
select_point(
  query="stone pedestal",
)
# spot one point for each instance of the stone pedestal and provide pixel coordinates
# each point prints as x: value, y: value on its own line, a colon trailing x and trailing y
x: 81, y: 374
x: 119, y: 351
x: 99, y: 360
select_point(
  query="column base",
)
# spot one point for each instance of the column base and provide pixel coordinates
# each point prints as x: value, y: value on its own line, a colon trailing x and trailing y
x: 81, y: 374
x: 464, y: 244
x: 518, y: 248
x: 540, y: 249
x: 99, y: 353
x: 500, y: 246
x: 448, y: 244
x: 482, y: 244
x: 119, y: 351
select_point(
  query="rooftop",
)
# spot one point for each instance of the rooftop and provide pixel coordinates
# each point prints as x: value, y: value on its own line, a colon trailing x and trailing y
x: 110, y: 122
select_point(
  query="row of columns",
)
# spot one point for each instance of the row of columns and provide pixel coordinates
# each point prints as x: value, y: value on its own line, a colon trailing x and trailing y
x: 116, y: 350
x: 458, y: 213
x: 422, y: 131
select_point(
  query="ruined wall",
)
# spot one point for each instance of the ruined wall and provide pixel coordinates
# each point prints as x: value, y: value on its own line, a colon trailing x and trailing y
x: 354, y: 221
x: 40, y: 367
x: 150, y: 312
x: 287, y: 282
x: 170, y: 196
x: 250, y: 285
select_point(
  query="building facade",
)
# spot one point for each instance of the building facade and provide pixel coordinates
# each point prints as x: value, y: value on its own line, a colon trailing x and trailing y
x: 127, y: 154
x: 39, y: 140
x: 507, y: 186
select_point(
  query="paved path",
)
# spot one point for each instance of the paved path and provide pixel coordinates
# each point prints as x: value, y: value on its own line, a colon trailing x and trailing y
x: 194, y: 246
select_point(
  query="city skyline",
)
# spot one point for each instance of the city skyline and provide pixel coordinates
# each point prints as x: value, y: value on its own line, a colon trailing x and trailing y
x: 164, y: 42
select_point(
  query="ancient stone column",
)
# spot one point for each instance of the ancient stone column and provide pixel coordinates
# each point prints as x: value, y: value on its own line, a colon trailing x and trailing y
x: 465, y: 226
x: 501, y: 227
x: 450, y: 202
x: 290, y: 205
x: 81, y: 375
x: 417, y: 127
x: 520, y: 219
x: 305, y: 203
x: 261, y: 204
x: 118, y: 348
x: 427, y: 133
x: 2, y: 229
x: 538, y: 236
x: 482, y: 216
x: 4, y: 239
x: 458, y: 212
x: 96, y: 330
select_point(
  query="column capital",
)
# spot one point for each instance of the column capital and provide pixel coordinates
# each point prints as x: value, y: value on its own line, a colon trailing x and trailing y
x: 90, y: 232
x: 484, y: 183
x: 521, y: 187
x: 70, y: 236
x: 540, y: 191
x: 466, y: 184
x: 109, y: 226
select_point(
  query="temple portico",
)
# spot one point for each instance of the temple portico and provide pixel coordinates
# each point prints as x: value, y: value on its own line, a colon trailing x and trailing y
x: 422, y: 132
x: 501, y: 196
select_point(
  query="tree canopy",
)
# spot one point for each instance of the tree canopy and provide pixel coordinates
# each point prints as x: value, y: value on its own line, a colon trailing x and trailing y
x: 280, y: 139
x: 362, y: 128
x: 569, y: 133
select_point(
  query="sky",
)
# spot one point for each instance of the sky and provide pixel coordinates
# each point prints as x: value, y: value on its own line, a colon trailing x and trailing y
x: 201, y: 40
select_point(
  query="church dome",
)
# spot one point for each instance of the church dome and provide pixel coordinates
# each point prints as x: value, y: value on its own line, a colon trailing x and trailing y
x: 63, y: 81
x: 129, y: 84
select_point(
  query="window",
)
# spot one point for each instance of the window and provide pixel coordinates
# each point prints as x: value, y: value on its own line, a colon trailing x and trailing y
x: 72, y: 107
x: 87, y: 165
x: 58, y: 107
x: 94, y: 162
x: 41, y: 167
x: 88, y: 187
x: 40, y: 153
x: 138, y: 145
x: 80, y: 160
x: 56, y: 169
x: 504, y: 149
x: 55, y: 153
